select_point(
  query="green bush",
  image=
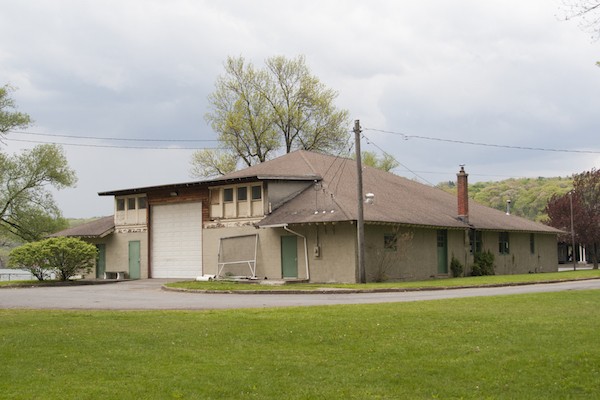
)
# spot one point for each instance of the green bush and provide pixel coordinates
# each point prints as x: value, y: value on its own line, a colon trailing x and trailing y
x: 456, y: 267
x: 64, y: 256
x: 483, y: 264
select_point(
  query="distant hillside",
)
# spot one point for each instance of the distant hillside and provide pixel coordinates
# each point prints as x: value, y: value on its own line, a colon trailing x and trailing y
x: 528, y: 196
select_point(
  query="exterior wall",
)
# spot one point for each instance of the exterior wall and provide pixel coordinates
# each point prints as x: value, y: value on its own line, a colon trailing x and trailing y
x: 280, y: 191
x: 520, y: 259
x: 335, y: 261
x: 336, y: 257
x: 117, y: 251
x: 415, y: 257
x: 268, y: 256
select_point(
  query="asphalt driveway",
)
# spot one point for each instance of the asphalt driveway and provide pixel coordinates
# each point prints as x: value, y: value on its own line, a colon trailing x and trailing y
x: 147, y: 294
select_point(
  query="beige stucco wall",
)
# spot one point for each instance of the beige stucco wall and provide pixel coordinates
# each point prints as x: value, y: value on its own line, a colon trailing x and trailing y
x: 334, y: 263
x: 117, y: 251
x: 520, y: 260
x: 416, y: 256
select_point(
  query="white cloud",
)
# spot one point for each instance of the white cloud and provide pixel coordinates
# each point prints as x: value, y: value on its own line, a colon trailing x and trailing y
x: 506, y: 72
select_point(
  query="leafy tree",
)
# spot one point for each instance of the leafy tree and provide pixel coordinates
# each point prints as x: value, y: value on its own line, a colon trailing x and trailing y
x: 385, y: 163
x: 587, y: 12
x: 63, y: 255
x: 207, y: 163
x: 258, y: 112
x: 27, y: 208
x: 585, y: 199
x: 529, y: 196
x: 10, y: 118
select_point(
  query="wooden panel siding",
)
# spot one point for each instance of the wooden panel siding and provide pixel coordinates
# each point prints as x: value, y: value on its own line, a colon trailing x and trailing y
x: 183, y: 195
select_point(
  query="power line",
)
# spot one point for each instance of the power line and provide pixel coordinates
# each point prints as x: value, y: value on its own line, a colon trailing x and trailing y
x: 407, y: 137
x: 110, y: 146
x: 369, y: 141
x: 113, y: 138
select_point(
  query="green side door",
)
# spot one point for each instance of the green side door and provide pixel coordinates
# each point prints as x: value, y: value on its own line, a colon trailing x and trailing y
x: 101, y: 261
x: 134, y: 259
x: 289, y: 256
x: 442, y: 251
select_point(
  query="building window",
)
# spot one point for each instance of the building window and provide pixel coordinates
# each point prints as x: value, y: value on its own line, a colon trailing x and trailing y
x: 215, y: 196
x: 242, y: 193
x: 503, y: 244
x: 390, y: 242
x: 228, y: 195
x: 532, y: 243
x: 141, y: 203
x: 120, y: 204
x: 131, y: 203
x: 475, y: 241
x: 256, y: 192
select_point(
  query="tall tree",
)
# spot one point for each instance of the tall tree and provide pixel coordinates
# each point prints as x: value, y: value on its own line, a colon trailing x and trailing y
x: 585, y: 200
x: 10, y: 118
x: 27, y: 208
x: 385, y: 162
x: 258, y: 112
x: 587, y: 12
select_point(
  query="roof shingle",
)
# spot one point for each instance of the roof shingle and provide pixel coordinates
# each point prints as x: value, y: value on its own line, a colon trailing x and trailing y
x: 397, y: 199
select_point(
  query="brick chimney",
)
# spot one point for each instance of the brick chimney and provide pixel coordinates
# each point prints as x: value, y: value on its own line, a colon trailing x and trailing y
x: 462, y: 186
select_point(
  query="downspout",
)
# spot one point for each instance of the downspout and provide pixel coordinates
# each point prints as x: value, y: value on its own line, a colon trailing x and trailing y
x: 305, y: 249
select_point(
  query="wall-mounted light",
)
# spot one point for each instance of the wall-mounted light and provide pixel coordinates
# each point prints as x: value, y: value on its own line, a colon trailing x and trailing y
x: 174, y: 194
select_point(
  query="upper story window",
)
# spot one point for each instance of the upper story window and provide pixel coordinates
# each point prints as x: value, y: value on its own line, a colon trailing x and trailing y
x: 256, y: 192
x: 236, y: 201
x: 228, y: 194
x: 130, y: 210
x: 242, y: 193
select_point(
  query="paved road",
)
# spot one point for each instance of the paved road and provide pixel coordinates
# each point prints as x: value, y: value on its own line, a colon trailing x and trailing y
x: 148, y: 295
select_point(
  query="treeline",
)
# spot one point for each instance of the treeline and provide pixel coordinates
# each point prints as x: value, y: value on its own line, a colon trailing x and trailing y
x: 528, y: 196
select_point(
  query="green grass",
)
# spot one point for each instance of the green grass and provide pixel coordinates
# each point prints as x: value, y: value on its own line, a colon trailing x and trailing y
x: 23, y: 283
x: 537, y: 346
x: 433, y: 283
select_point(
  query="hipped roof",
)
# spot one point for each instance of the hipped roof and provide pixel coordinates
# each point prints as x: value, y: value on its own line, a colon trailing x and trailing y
x: 397, y: 200
x: 333, y: 196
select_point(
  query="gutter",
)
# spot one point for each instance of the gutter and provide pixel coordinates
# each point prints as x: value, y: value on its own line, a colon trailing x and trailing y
x: 285, y: 227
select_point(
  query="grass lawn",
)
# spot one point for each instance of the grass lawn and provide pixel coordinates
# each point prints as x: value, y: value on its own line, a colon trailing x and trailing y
x: 537, y: 346
x: 432, y: 283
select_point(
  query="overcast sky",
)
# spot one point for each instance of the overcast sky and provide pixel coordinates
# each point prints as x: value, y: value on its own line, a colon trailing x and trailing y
x: 501, y: 72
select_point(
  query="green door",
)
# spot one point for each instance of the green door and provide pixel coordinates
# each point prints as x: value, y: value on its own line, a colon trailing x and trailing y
x: 289, y: 256
x: 101, y: 261
x: 134, y: 259
x: 442, y: 251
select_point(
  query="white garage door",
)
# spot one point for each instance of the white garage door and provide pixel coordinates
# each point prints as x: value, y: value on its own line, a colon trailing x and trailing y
x: 177, y: 240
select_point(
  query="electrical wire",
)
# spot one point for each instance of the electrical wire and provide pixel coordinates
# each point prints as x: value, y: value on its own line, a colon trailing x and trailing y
x: 109, y: 146
x: 369, y: 141
x: 113, y: 138
x: 407, y: 137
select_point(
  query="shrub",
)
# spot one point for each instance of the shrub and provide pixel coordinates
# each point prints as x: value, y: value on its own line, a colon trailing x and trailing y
x: 483, y: 264
x: 456, y: 267
x: 63, y: 255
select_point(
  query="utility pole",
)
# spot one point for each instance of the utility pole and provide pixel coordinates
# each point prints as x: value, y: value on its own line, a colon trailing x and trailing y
x: 572, y: 232
x: 360, y: 220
